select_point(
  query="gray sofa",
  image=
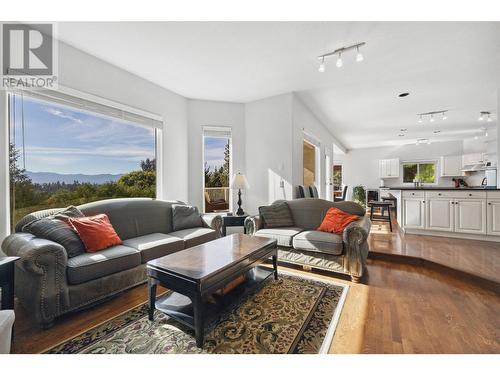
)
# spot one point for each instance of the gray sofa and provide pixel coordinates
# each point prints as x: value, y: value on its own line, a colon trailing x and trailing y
x: 49, y: 284
x: 303, y: 245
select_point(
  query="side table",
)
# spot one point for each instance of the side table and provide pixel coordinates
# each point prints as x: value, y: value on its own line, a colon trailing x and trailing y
x: 233, y: 221
x: 7, y: 282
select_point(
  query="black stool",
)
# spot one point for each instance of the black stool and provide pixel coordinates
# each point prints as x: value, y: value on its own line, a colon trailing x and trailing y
x: 383, y: 205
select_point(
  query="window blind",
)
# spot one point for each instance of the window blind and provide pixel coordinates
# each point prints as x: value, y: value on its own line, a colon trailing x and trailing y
x: 217, y: 131
x: 134, y: 116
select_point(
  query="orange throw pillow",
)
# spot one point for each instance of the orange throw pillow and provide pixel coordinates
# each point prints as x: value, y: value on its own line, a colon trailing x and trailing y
x: 96, y: 232
x: 336, y: 220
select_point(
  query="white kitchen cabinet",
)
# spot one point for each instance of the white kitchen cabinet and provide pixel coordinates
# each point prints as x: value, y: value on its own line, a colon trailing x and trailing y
x: 414, y: 213
x: 388, y: 168
x: 470, y: 216
x: 493, y: 217
x: 476, y: 158
x: 440, y: 214
x: 451, y: 166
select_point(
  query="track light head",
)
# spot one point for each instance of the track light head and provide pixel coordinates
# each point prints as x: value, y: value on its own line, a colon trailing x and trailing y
x: 420, y: 119
x: 444, y: 116
x: 432, y: 118
x: 322, y: 67
x: 489, y: 119
x: 359, y: 55
x: 339, y: 63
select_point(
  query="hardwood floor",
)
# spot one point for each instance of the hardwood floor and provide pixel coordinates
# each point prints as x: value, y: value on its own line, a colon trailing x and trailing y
x: 398, y: 308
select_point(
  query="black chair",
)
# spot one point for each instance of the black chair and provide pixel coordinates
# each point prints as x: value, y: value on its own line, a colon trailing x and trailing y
x: 304, y: 192
x: 383, y: 205
x: 344, y: 193
x: 314, y: 191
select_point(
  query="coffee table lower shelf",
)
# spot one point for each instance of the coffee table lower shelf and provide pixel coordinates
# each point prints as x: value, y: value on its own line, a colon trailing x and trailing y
x: 180, y: 307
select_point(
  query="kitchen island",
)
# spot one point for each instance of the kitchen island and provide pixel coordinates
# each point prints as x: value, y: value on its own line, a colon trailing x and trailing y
x: 468, y: 212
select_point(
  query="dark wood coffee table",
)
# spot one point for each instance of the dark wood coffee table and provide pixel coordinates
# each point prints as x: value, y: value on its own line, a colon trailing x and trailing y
x: 195, y: 274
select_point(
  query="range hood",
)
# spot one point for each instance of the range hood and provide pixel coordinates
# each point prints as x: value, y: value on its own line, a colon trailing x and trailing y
x: 474, y: 167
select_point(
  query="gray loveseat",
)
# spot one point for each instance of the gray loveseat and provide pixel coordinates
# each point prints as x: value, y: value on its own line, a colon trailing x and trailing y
x: 49, y: 284
x: 303, y: 245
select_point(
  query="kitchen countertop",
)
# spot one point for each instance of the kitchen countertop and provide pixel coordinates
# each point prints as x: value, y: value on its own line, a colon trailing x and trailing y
x: 440, y: 188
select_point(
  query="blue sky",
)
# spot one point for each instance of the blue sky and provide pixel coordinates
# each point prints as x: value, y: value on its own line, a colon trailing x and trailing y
x: 59, y: 139
x: 214, y: 151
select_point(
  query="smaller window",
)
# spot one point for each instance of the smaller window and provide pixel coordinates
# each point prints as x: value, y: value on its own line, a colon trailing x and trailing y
x: 423, y: 172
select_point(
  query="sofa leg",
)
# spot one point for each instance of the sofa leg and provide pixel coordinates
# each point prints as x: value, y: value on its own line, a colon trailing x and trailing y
x: 355, y: 279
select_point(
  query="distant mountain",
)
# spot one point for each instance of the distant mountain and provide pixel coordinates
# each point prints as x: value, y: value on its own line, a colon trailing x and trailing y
x: 46, y: 177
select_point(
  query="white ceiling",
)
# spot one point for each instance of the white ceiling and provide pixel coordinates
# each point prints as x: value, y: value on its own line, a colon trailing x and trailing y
x: 444, y: 65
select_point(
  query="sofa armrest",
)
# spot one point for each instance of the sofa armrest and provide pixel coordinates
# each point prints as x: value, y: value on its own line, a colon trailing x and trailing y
x: 356, y: 246
x: 214, y: 222
x: 41, y: 283
x: 253, y: 224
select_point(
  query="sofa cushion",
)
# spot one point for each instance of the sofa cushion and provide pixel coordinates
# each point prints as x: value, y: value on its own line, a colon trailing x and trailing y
x: 155, y: 245
x: 284, y: 236
x: 185, y: 217
x: 195, y: 236
x: 55, y: 228
x: 277, y: 215
x: 90, y: 266
x: 336, y: 221
x: 322, y: 242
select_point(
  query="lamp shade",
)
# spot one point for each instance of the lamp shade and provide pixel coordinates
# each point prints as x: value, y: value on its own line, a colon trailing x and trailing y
x: 239, y: 182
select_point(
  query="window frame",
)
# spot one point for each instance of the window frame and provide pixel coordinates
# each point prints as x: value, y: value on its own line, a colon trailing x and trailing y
x: 79, y: 95
x: 418, y: 162
x: 221, y: 129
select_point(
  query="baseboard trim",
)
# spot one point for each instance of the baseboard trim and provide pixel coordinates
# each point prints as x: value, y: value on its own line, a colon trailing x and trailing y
x: 466, y: 236
x: 417, y: 261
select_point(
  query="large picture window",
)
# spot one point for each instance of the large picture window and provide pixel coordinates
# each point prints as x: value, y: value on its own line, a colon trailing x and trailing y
x: 61, y: 155
x: 423, y: 172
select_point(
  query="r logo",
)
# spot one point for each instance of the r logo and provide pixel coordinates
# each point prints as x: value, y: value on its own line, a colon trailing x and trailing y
x: 27, y: 49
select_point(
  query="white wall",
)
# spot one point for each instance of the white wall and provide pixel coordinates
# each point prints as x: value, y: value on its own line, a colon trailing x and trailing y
x: 83, y: 72
x: 209, y: 113
x: 268, y: 151
x: 360, y: 166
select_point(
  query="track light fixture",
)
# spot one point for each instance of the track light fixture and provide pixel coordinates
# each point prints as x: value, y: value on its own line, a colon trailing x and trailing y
x: 431, y: 115
x: 485, y: 115
x: 338, y: 52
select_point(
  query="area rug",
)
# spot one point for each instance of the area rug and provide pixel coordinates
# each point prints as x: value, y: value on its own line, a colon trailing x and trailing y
x: 295, y: 314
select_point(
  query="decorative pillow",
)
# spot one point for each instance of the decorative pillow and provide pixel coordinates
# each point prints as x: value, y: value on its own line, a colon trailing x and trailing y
x: 276, y: 215
x: 55, y: 228
x: 184, y: 217
x: 336, y: 221
x: 96, y: 232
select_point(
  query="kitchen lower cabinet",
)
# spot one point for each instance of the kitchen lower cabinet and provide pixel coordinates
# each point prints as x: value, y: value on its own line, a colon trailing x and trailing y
x: 440, y: 215
x: 414, y: 213
x: 493, y: 217
x: 470, y: 216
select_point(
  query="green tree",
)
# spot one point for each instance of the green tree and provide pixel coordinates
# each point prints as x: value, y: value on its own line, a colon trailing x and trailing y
x: 148, y: 165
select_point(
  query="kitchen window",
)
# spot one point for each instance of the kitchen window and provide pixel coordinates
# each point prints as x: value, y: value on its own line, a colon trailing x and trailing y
x: 419, y: 171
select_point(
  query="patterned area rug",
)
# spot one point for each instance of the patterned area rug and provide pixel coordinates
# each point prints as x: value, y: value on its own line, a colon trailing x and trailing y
x: 295, y: 314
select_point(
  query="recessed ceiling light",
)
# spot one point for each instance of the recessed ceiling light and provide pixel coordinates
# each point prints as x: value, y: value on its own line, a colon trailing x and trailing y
x: 403, y: 129
x: 401, y: 135
x: 403, y: 94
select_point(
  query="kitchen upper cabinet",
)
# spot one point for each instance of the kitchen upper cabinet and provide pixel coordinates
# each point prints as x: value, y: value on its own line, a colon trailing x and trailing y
x: 468, y: 159
x: 413, y: 213
x: 440, y: 214
x: 493, y: 217
x: 470, y: 216
x: 451, y: 166
x: 388, y: 168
